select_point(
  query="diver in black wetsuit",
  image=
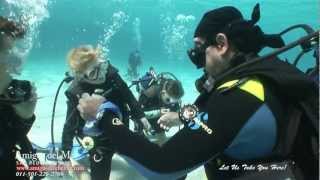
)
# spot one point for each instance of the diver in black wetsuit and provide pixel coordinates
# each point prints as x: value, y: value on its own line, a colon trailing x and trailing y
x: 240, y: 118
x: 134, y: 62
x: 157, y: 96
x: 17, y: 104
x: 92, y: 74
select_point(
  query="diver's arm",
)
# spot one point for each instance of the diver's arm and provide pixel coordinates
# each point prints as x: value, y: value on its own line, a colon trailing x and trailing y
x: 184, y: 152
x: 125, y: 92
x: 9, y: 123
x: 187, y: 149
x: 24, y: 125
x: 174, y: 159
x: 25, y: 144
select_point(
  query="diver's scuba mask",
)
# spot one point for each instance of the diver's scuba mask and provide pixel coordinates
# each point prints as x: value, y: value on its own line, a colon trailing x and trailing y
x: 95, y: 74
x: 197, y: 55
x: 167, y: 99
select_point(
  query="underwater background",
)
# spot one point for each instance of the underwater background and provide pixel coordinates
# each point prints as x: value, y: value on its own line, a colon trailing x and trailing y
x: 162, y: 30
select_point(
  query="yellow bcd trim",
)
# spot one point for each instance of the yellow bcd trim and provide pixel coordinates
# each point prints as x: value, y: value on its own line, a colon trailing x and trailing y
x: 228, y: 84
x: 252, y: 86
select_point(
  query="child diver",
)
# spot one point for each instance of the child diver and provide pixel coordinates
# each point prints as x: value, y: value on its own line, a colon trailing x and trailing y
x: 159, y: 94
x: 92, y: 74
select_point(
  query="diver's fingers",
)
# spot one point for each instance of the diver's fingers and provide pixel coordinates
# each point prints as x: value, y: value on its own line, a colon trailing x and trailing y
x: 162, y: 126
x: 85, y: 105
x: 163, y: 121
x: 79, y: 107
x: 97, y: 96
x: 85, y: 95
x: 82, y: 104
x: 165, y: 127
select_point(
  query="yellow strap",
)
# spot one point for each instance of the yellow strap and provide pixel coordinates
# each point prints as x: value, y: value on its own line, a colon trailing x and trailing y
x: 228, y: 84
x: 252, y: 86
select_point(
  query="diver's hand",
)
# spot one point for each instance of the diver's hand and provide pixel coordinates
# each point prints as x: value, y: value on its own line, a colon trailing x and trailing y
x: 168, y: 120
x: 146, y: 124
x: 89, y: 104
x: 163, y: 111
x: 26, y: 109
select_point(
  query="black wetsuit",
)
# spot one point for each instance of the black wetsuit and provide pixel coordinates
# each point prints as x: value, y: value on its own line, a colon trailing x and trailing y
x: 155, y: 103
x: 120, y: 94
x: 246, y: 122
x: 13, y: 130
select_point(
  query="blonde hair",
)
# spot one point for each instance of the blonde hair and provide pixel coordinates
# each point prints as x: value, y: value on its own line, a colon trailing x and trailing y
x: 79, y: 59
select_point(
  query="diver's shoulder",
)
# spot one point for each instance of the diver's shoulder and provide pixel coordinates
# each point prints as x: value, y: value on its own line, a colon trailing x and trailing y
x: 112, y: 70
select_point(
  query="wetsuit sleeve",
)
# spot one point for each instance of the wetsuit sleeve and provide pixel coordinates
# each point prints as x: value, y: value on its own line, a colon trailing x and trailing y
x: 17, y: 131
x: 190, y: 147
x: 125, y: 93
x: 22, y: 127
x: 25, y: 144
x: 68, y: 132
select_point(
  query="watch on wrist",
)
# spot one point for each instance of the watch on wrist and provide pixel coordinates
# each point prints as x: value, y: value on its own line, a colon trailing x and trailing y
x: 188, y: 112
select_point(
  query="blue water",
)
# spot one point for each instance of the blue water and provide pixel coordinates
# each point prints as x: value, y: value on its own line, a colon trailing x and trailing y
x: 65, y: 24
x: 72, y: 23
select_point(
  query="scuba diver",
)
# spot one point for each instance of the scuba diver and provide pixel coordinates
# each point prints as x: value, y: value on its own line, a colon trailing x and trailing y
x: 158, y: 94
x: 254, y: 111
x: 92, y: 74
x: 18, y: 100
x: 134, y: 62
